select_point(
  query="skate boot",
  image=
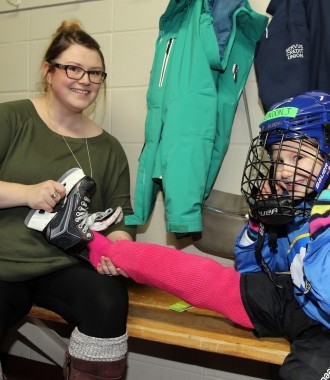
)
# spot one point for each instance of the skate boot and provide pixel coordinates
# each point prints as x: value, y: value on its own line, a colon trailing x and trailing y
x: 69, y: 227
x: 39, y: 219
x: 63, y: 228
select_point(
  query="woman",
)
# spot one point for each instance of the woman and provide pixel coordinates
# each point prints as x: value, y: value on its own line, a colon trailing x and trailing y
x: 40, y: 139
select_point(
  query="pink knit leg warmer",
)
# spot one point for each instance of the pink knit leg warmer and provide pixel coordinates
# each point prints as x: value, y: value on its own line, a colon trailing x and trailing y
x: 200, y: 281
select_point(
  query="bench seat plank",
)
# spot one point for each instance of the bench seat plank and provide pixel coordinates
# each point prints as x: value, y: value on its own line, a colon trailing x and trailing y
x: 150, y: 319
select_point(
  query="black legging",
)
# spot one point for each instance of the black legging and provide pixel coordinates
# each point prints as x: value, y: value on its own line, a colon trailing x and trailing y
x: 96, y: 304
x: 275, y: 311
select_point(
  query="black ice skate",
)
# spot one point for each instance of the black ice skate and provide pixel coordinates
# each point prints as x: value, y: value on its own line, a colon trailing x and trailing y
x: 70, y: 227
x: 66, y: 228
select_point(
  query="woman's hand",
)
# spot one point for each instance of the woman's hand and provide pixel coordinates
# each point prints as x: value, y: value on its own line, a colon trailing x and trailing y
x: 119, y: 235
x: 44, y: 195
x: 107, y: 267
x: 41, y: 196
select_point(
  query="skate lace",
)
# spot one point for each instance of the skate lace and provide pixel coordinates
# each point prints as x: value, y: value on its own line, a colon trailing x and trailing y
x: 87, y: 221
x: 81, y: 215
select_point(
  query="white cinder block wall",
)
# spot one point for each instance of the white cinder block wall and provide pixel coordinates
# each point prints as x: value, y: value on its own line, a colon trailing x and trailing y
x: 127, y: 31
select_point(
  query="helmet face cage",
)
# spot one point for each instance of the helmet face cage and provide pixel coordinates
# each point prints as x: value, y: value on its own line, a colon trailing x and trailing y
x: 272, y: 198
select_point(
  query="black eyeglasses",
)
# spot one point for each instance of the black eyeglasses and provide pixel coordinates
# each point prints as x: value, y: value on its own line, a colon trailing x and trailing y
x: 76, y: 72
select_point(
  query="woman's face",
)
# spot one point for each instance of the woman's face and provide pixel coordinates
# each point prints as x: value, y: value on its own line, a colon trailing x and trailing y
x: 75, y: 94
x: 297, y: 164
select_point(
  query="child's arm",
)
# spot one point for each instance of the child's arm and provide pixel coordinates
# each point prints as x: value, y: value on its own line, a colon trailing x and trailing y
x: 317, y: 259
x: 245, y: 258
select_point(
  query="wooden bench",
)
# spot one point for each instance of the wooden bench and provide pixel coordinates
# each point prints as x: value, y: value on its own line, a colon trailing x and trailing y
x: 150, y: 319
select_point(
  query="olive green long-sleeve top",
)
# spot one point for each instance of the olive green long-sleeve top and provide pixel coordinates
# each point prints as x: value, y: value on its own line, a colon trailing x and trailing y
x: 31, y: 153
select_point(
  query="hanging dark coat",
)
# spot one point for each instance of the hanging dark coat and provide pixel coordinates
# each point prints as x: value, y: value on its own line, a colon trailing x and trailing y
x: 293, y: 55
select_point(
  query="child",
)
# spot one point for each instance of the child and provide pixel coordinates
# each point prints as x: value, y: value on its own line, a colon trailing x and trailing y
x: 281, y: 286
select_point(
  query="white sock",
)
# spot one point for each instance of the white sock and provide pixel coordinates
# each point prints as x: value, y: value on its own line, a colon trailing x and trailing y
x: 97, y: 349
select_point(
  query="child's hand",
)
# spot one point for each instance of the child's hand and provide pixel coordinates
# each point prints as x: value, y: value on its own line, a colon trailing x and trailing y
x: 106, y: 267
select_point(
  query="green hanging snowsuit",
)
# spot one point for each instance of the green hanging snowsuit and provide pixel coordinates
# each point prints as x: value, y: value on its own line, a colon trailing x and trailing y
x: 192, y: 98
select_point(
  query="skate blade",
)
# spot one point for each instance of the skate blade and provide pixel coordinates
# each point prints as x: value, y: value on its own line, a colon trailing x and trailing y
x: 39, y: 219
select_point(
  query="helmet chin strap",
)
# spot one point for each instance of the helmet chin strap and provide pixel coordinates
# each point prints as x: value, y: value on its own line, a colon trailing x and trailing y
x: 276, y: 211
x: 258, y: 252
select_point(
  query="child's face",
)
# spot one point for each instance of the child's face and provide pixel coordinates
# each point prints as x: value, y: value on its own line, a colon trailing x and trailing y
x: 297, y: 164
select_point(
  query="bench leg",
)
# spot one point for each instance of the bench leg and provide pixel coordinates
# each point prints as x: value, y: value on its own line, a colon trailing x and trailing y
x: 46, y: 339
